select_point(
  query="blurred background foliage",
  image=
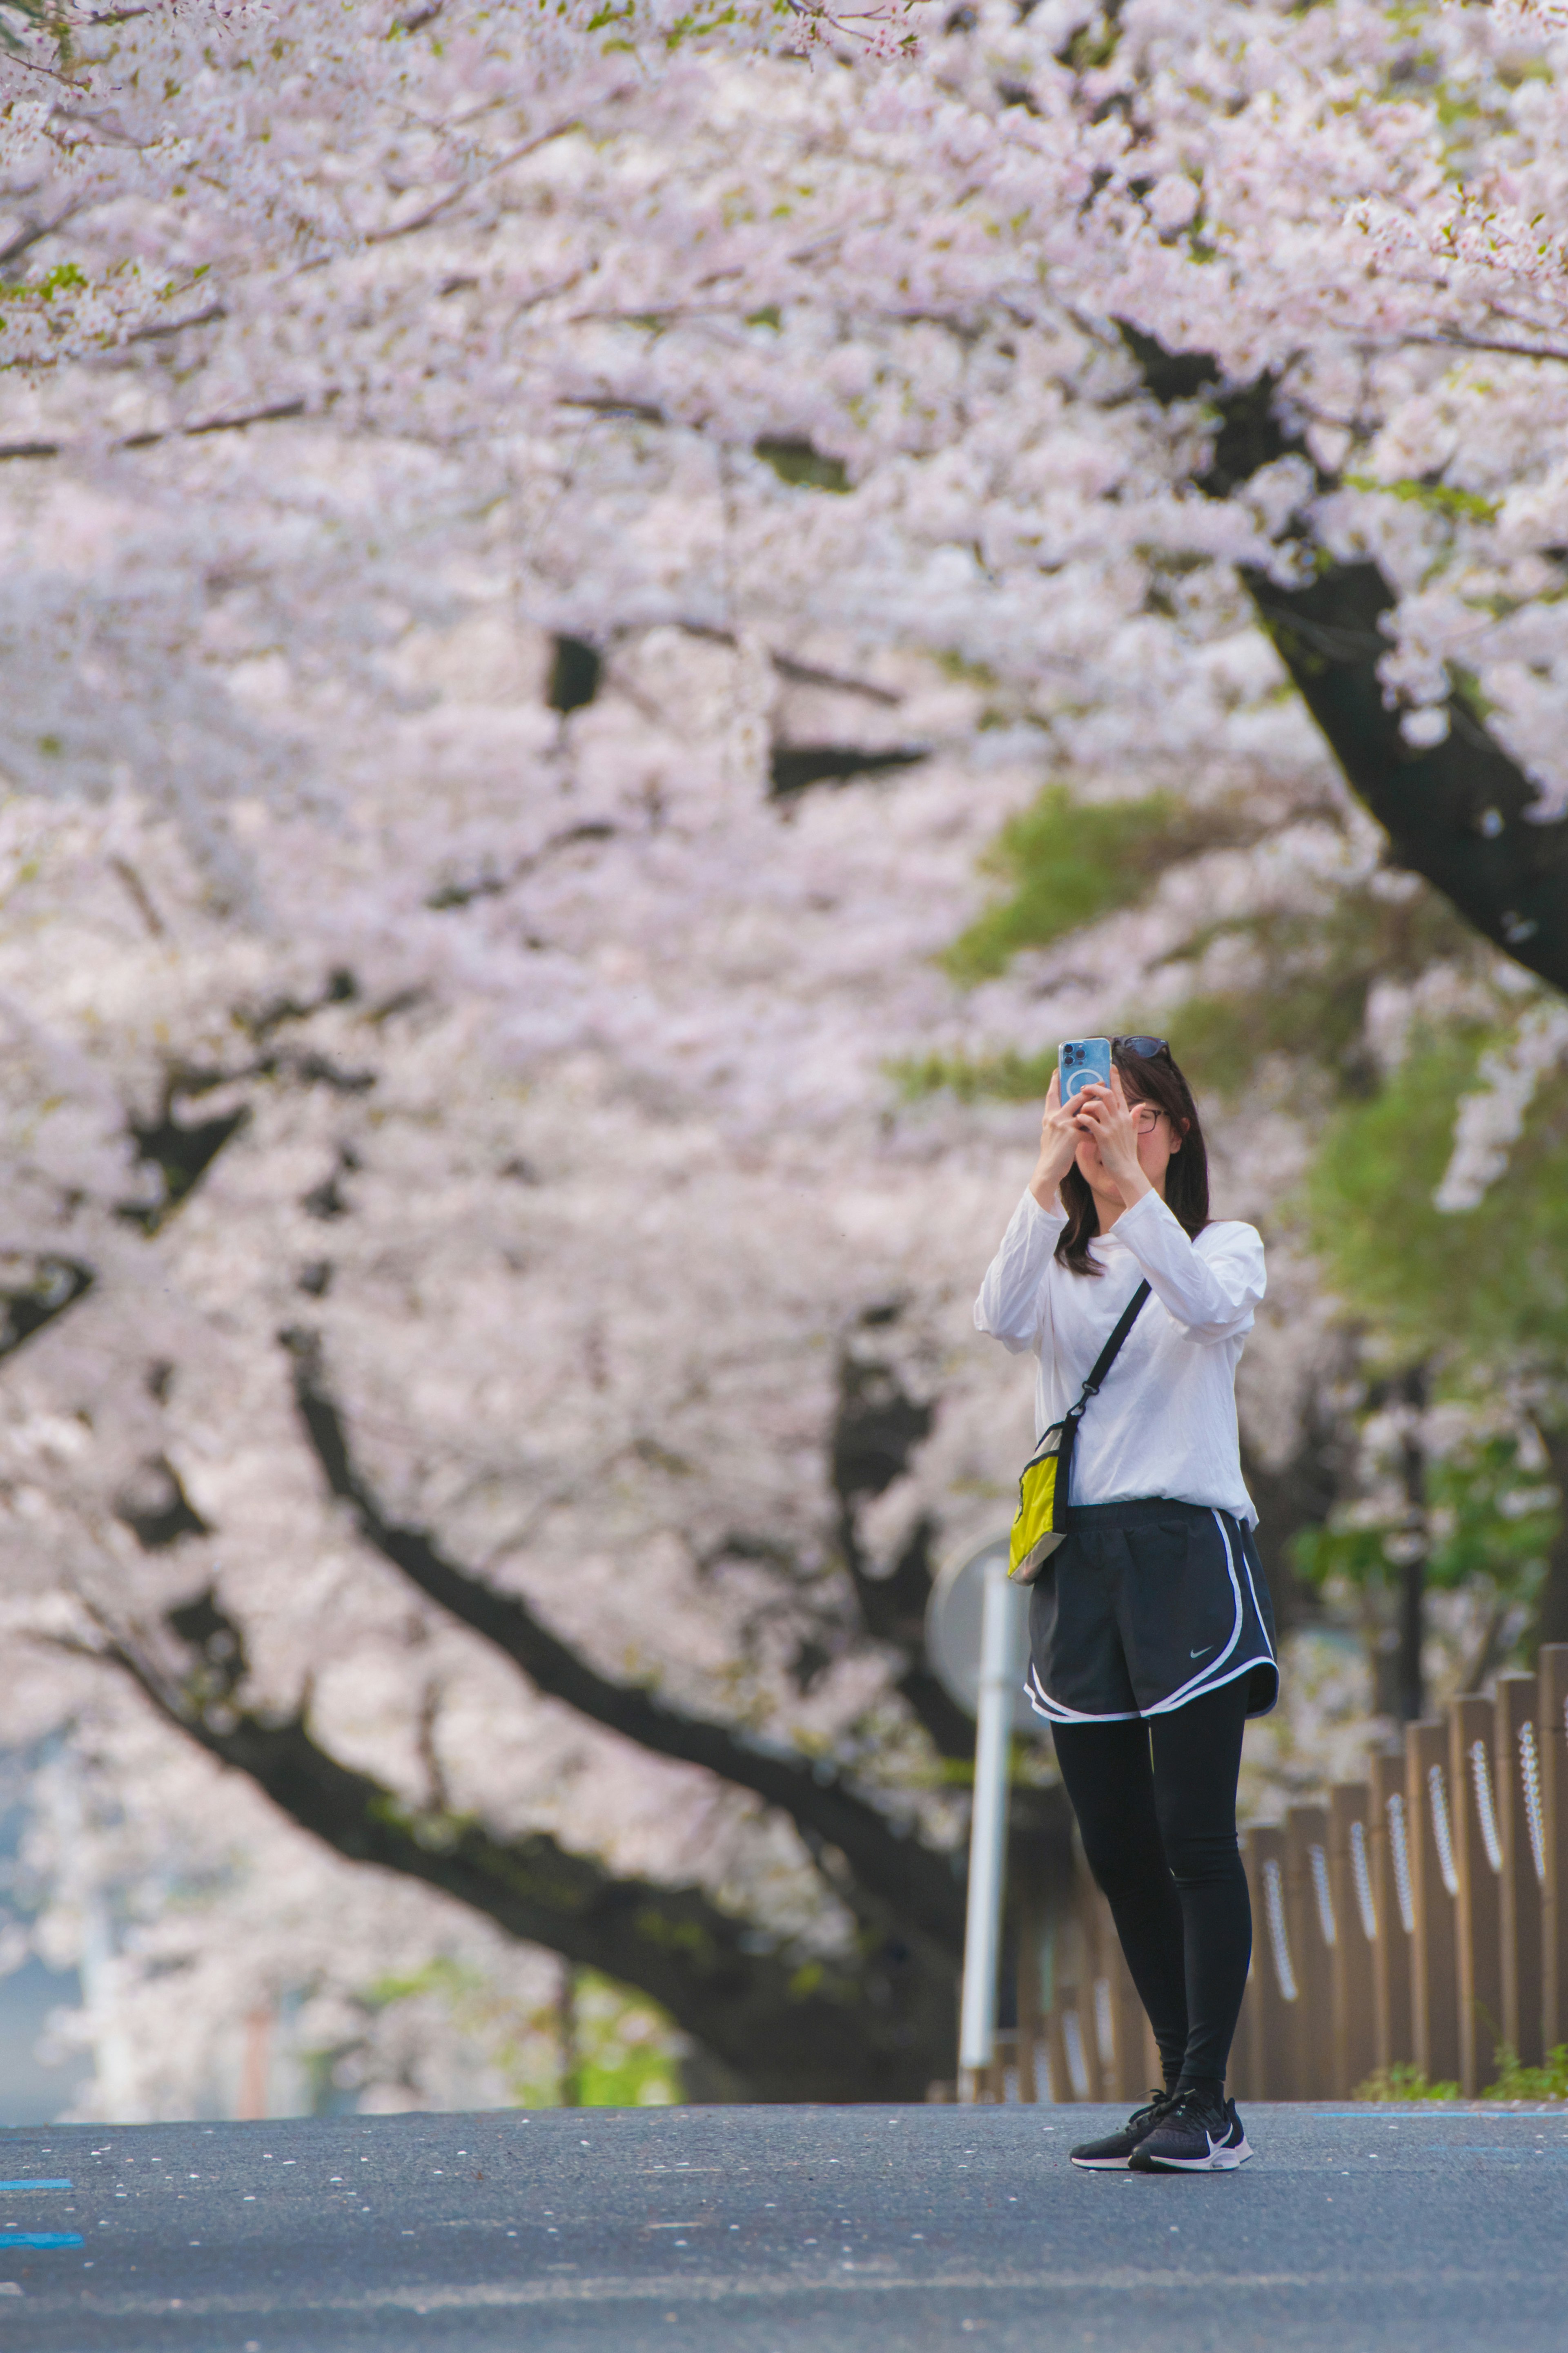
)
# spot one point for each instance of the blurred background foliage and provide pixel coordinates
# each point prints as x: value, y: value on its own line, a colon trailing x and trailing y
x: 1487, y: 1289
x: 1442, y: 1451
x: 596, y: 2045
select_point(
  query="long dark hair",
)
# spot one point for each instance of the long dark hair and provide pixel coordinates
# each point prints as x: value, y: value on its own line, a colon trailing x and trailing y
x: 1153, y: 1079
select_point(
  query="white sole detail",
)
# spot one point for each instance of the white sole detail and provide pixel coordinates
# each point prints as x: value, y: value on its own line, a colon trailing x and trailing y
x: 1223, y: 2158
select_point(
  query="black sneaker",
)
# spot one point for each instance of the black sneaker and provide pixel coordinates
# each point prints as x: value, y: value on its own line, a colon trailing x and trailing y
x: 1113, y: 2154
x: 1195, y: 2135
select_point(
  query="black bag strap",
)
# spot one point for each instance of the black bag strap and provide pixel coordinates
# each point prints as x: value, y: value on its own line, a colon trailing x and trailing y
x: 1110, y: 1353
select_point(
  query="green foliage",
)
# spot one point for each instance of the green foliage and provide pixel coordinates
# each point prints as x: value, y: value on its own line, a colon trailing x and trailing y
x: 1305, y: 1000
x: 624, y: 2052
x: 1484, y: 1284
x: 1437, y: 498
x: 797, y: 462
x: 626, y: 2056
x: 1307, y: 997
x: 65, y: 278
x: 1517, y: 2082
x: 1070, y: 862
x: 41, y: 16
x: 1470, y: 690
x: 1016, y: 1078
x: 1405, y: 2084
x: 1308, y: 975
x: 1341, y: 1551
x: 1486, y: 1516
x: 1093, y: 45
x: 1223, y: 1037
x: 697, y: 28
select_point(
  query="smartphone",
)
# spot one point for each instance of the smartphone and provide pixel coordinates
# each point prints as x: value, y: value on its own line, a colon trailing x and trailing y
x: 1083, y: 1062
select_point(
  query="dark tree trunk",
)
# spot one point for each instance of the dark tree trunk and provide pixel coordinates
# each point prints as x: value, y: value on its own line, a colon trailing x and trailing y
x: 1455, y: 812
x: 1412, y: 1570
x: 877, y: 2022
x: 877, y: 2025
x: 892, y: 1868
x: 1552, y: 1606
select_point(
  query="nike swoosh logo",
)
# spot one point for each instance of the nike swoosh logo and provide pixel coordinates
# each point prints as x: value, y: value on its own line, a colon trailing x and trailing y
x: 1198, y: 1654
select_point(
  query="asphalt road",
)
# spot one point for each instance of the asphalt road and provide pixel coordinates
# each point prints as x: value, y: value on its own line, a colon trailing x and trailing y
x: 755, y: 2229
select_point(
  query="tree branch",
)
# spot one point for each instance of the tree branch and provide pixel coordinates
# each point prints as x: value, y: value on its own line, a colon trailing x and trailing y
x: 1552, y: 1601
x: 49, y: 1286
x: 790, y: 2030
x: 214, y: 313
x: 453, y: 196
x: 35, y: 232
x: 1457, y: 813
x: 275, y: 415
x: 878, y: 1428
x: 890, y: 1863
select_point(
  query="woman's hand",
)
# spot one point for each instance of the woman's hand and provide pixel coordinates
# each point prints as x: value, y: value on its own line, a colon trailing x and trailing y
x: 1060, y: 1136
x: 1108, y: 1122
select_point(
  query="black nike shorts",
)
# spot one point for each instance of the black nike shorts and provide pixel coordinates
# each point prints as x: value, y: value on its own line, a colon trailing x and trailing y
x: 1145, y: 1605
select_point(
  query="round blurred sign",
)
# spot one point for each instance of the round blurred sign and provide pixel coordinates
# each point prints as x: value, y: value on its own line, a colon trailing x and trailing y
x: 953, y: 1615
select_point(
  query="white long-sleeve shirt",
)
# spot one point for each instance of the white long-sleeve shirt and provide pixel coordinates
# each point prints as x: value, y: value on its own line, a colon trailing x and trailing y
x: 1164, y: 1423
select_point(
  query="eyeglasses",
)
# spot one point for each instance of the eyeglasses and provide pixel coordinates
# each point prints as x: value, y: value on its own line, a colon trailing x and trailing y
x: 1145, y: 1047
x: 1146, y: 1118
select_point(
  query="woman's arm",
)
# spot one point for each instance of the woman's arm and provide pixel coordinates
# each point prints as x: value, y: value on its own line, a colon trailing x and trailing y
x: 1212, y: 1294
x: 1060, y: 1132
x: 1012, y: 1301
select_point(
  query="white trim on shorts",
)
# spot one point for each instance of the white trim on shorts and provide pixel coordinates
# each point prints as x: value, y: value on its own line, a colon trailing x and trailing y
x: 1197, y: 1686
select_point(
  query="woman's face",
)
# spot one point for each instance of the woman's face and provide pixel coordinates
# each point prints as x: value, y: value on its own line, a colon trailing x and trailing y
x: 1157, y: 1141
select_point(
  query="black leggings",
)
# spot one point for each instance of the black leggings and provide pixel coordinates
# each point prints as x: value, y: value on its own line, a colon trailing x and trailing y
x: 1155, y: 1801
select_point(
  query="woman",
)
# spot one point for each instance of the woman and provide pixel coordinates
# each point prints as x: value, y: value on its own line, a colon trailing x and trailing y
x: 1151, y: 1630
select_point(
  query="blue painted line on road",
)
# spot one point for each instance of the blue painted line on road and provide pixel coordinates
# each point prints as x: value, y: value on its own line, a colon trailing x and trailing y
x: 40, y: 2239
x: 33, y: 2185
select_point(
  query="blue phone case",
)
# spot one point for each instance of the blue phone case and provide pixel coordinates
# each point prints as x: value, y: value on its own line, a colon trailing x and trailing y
x: 1083, y: 1062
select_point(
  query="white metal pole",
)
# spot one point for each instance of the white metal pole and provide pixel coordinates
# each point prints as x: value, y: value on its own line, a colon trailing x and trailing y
x: 1000, y: 1664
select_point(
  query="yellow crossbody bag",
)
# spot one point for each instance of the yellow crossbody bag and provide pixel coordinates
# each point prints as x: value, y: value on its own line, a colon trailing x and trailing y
x: 1042, y: 1516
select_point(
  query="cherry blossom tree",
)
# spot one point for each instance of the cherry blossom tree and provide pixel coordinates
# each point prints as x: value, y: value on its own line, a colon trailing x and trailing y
x: 542, y: 554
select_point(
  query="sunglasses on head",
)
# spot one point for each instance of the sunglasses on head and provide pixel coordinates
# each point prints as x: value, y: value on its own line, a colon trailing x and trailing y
x: 1146, y: 1046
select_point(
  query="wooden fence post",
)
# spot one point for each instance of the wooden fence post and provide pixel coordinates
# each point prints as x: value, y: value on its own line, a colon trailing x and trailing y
x: 1154, y: 2065
x: 1276, y: 1986
x: 1030, y: 1917
x: 1434, y: 1885
x: 1478, y: 1863
x: 1393, y: 1904
x: 1095, y: 2010
x: 1551, y: 1733
x: 1069, y: 2026
x: 1419, y: 1916
x: 1118, y: 2012
x: 1090, y: 1901
x: 1358, y: 1926
x: 1242, y: 2080
x: 1063, y: 2088
x: 1314, y: 1937
x: 1517, y: 1752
